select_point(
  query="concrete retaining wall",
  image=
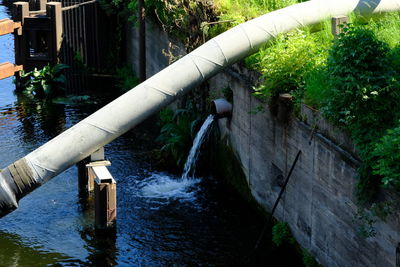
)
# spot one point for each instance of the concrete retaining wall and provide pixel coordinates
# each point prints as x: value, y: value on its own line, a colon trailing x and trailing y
x: 319, y: 203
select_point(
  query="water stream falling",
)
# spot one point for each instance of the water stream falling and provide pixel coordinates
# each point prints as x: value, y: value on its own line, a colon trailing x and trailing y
x: 195, y: 150
x: 161, y: 186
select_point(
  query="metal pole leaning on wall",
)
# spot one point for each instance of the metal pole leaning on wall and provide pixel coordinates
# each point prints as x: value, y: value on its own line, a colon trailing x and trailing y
x: 278, y: 199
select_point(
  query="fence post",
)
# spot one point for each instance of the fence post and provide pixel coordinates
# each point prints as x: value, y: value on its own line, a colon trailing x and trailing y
x: 336, y: 22
x: 53, y: 11
x: 19, y: 12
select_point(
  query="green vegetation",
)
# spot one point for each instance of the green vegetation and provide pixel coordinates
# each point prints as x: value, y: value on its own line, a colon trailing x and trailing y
x: 193, y: 21
x: 233, y: 12
x: 387, y: 153
x: 309, y: 260
x: 362, y: 96
x: 126, y: 78
x: 44, y: 83
x: 178, y: 130
x: 286, y: 61
x: 185, y: 19
x: 353, y: 80
x: 281, y: 234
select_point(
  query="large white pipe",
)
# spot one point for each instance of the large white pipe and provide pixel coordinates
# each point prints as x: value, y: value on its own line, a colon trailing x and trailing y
x: 127, y: 111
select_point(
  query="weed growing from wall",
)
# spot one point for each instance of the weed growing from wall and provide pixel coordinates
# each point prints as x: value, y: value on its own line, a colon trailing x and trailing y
x: 281, y: 234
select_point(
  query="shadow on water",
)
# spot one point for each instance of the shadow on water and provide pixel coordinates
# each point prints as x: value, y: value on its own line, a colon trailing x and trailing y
x: 40, y: 117
x: 101, y: 246
x: 15, y: 252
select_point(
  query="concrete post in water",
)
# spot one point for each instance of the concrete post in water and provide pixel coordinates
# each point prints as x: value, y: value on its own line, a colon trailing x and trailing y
x: 85, y: 173
x: 105, y: 197
x: 93, y: 175
x: 337, y: 21
x: 54, y: 12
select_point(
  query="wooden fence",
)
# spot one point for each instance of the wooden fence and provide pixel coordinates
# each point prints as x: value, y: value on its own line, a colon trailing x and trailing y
x: 73, y: 32
x: 8, y: 26
x: 85, y: 37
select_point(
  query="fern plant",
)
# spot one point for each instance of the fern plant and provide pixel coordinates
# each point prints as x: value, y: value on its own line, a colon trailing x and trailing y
x: 177, y: 132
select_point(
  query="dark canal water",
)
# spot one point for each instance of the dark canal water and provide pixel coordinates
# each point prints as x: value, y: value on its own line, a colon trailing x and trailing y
x: 161, y: 221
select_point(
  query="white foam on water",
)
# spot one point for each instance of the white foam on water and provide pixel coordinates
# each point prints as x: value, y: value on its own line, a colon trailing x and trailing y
x: 161, y: 186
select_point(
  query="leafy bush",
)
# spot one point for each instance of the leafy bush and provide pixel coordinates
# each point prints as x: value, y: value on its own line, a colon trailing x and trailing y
x: 362, y: 95
x: 387, y: 152
x: 285, y: 63
x: 281, y: 234
x: 45, y: 83
x: 362, y: 83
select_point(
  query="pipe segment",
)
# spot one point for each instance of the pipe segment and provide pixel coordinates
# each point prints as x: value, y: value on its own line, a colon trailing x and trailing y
x: 160, y: 90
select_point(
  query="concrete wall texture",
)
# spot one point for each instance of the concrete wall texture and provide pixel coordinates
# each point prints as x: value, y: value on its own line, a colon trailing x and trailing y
x: 158, y: 48
x: 319, y: 203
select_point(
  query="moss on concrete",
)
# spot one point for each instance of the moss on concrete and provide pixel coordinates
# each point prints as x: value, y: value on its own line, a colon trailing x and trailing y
x: 229, y: 168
